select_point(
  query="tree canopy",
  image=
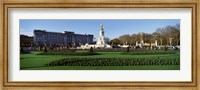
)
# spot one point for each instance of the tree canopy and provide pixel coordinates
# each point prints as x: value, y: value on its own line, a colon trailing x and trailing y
x: 169, y: 35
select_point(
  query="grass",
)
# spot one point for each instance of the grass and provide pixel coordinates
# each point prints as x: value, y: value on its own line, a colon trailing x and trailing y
x: 174, y: 67
x: 33, y: 61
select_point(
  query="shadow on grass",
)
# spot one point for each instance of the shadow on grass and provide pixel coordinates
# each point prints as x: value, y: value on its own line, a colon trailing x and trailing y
x: 27, y: 68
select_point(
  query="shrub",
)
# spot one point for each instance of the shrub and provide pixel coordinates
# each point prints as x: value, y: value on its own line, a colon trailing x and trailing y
x: 91, y: 50
x: 66, y: 52
x: 25, y: 52
x: 128, y: 49
x: 165, y: 48
x: 45, y: 49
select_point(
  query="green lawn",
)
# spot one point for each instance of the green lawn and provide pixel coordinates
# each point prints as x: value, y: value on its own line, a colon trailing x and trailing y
x: 34, y: 61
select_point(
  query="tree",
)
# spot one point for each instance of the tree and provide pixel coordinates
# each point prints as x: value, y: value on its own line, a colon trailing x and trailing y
x: 107, y: 40
x: 125, y: 39
x: 147, y: 37
x: 134, y: 39
x: 116, y: 41
x: 159, y: 35
x: 164, y: 35
x: 168, y: 34
x: 172, y: 34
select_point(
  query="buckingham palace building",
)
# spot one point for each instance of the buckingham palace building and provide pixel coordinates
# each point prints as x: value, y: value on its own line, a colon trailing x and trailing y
x: 67, y: 38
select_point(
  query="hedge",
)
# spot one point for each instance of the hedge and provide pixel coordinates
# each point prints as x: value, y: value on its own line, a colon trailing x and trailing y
x: 150, y: 52
x: 68, y: 52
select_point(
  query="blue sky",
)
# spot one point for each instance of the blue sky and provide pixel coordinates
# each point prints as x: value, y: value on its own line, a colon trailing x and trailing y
x: 113, y: 28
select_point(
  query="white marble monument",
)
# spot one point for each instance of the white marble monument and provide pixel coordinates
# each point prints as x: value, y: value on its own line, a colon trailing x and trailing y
x: 101, y: 43
x: 101, y: 40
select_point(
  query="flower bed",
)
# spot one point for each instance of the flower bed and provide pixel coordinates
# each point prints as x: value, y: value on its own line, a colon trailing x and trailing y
x: 116, y: 61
